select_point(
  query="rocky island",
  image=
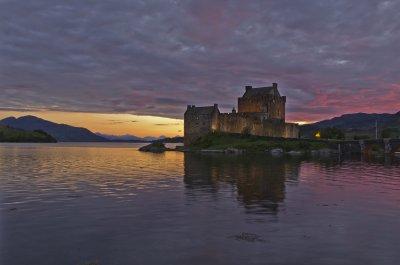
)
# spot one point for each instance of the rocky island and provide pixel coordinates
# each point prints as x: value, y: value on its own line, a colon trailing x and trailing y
x: 155, y: 147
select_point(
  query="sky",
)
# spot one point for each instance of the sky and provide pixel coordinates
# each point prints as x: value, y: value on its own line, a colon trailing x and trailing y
x: 89, y: 63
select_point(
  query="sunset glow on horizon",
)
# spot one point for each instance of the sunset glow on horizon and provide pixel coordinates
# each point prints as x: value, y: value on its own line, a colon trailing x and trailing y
x: 118, y: 124
x: 113, y: 124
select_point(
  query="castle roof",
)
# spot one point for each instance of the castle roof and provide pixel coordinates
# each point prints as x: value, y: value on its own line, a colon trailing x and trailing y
x: 206, y: 110
x: 260, y: 91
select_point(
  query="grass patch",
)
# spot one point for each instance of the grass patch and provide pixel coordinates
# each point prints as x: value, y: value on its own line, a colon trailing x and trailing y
x: 253, y: 143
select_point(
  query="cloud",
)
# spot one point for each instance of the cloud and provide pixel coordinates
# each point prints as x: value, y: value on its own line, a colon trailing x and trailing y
x: 169, y: 101
x: 167, y: 124
x: 154, y: 58
x: 120, y: 121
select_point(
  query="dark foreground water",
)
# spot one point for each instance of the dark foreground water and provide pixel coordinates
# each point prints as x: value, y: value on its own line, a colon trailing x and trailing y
x: 110, y: 204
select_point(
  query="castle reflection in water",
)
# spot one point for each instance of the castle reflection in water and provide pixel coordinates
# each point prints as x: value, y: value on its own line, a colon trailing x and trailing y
x: 258, y: 182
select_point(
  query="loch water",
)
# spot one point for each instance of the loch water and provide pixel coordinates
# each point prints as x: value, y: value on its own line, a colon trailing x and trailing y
x: 94, y: 203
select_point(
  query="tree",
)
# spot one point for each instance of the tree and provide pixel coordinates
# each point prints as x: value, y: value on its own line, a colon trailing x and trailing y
x: 390, y: 133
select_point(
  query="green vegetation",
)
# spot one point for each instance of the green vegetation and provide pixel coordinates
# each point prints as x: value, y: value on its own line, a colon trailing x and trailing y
x: 8, y: 134
x: 251, y: 143
x: 361, y: 137
x: 391, y: 132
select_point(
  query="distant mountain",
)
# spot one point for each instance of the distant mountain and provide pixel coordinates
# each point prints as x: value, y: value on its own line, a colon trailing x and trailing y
x: 355, y: 124
x: 61, y: 132
x: 123, y: 138
x: 8, y: 134
x: 129, y: 138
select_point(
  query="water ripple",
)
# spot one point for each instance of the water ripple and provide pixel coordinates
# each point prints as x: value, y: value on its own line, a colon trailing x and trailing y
x: 72, y: 203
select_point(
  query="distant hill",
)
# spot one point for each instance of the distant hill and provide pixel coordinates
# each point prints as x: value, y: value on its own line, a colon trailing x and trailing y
x: 128, y: 138
x: 8, y: 134
x: 355, y: 124
x: 131, y: 138
x: 124, y: 138
x: 61, y: 132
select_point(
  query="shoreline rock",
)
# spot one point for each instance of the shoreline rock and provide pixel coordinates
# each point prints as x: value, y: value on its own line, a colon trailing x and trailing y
x: 233, y: 151
x: 155, y: 147
x: 295, y: 153
x: 276, y: 152
x: 323, y: 152
x: 211, y: 150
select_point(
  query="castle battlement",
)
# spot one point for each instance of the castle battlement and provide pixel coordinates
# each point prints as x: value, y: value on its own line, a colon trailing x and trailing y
x: 261, y: 111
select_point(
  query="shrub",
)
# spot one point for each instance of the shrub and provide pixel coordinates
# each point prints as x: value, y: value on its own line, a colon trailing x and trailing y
x: 361, y: 137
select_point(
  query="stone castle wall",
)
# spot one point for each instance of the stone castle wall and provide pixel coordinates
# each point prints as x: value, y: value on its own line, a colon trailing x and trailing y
x: 292, y: 130
x: 256, y: 124
x: 272, y: 106
x: 197, y: 124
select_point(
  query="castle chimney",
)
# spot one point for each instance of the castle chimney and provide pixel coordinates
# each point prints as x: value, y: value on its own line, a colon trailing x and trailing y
x: 233, y: 110
x: 216, y: 106
x: 248, y: 88
x: 274, y: 85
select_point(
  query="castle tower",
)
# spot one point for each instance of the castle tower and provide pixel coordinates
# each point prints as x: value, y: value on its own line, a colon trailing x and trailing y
x: 265, y: 101
x: 199, y: 121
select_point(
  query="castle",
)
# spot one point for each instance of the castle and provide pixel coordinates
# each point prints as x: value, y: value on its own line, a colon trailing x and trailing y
x: 261, y: 111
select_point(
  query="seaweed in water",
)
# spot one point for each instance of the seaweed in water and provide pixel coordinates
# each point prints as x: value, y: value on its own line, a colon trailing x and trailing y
x: 248, y: 237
